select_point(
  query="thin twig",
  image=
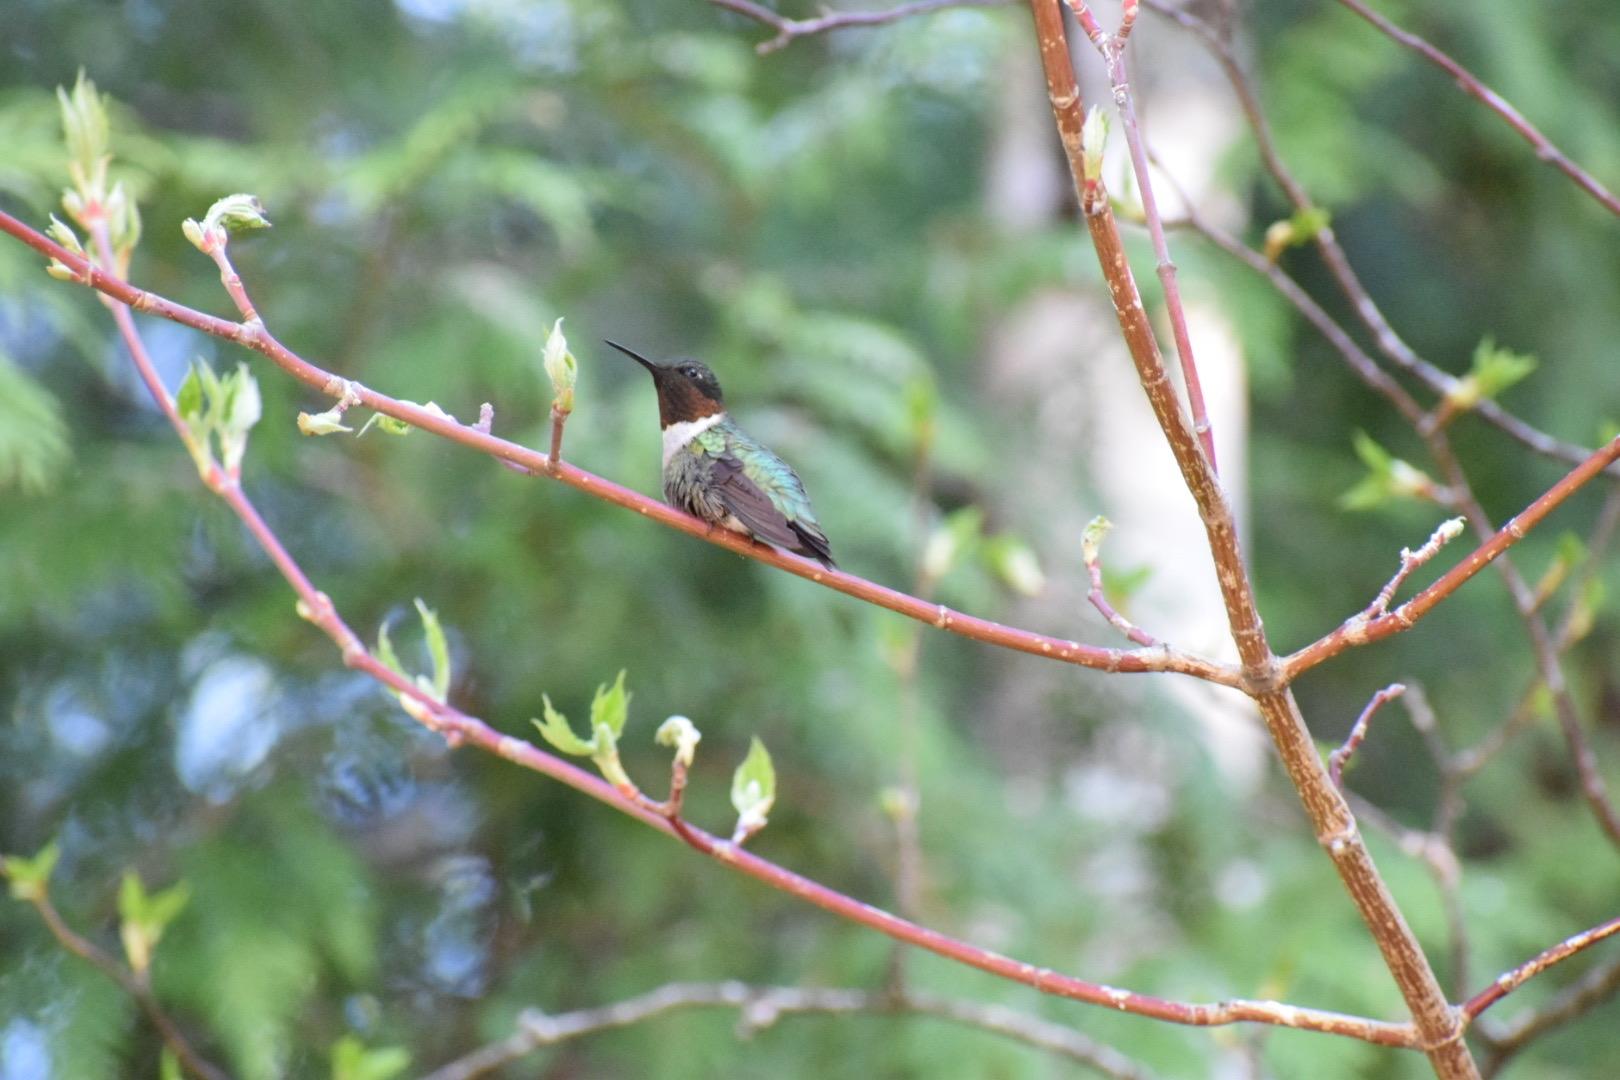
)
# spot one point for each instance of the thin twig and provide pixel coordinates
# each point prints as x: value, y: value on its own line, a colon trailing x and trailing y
x: 1470, y: 84
x: 1597, y: 986
x: 1113, y: 49
x: 1367, y: 311
x: 762, y: 1006
x: 1091, y: 553
x: 1358, y: 732
x: 1510, y: 981
x: 1446, y: 532
x: 1404, y: 617
x: 790, y: 30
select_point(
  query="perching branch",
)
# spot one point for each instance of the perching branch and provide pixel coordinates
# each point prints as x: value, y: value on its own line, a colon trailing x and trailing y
x: 253, y: 335
x: 458, y: 729
x: 761, y: 1006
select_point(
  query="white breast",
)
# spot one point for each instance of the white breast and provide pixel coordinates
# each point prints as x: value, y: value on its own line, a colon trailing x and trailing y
x: 682, y: 432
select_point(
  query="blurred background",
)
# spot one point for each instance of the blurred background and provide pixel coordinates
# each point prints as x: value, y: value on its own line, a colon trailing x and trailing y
x: 871, y: 238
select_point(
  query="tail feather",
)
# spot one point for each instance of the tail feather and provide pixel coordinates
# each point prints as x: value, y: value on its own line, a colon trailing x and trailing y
x: 814, y: 544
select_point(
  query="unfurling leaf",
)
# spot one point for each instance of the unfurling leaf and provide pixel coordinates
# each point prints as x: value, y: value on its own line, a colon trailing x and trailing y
x: 609, y: 708
x: 143, y: 918
x: 556, y: 731
x: 561, y: 369
x: 30, y: 876
x: 753, y: 790
x: 329, y: 422
x: 1494, y: 370
x: 683, y: 735
x: 353, y: 1060
x: 438, y: 650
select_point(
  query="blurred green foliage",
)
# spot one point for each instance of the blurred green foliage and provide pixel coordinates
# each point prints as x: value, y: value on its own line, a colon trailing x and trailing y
x: 446, y: 180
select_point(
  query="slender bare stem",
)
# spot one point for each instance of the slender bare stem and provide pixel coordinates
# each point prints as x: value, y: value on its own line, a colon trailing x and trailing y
x: 1470, y: 84
x: 1113, y: 49
x: 1367, y: 311
x: 1596, y: 987
x: 1509, y: 981
x: 132, y: 984
x: 1358, y: 732
x: 762, y: 1006
x: 1358, y: 632
x: 790, y: 30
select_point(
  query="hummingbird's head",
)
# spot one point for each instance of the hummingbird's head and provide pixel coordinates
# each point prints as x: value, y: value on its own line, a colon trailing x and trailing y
x: 687, y: 389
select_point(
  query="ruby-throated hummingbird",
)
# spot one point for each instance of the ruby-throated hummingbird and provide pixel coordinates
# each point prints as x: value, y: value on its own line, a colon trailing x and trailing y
x: 716, y: 471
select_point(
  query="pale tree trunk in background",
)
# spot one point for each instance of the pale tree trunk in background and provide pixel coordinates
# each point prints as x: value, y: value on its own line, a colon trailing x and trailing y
x: 1087, y: 441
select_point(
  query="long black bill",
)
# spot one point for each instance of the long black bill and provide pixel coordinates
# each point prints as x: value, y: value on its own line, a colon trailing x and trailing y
x: 637, y: 357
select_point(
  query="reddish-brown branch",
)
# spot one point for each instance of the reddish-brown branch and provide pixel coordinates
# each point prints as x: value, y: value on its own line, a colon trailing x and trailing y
x: 1470, y: 84
x: 1113, y: 49
x: 253, y: 335
x: 133, y: 985
x: 1440, y: 1032
x: 1367, y: 311
x: 789, y: 30
x: 1597, y: 986
x: 458, y: 729
x: 1358, y: 631
x: 1510, y: 981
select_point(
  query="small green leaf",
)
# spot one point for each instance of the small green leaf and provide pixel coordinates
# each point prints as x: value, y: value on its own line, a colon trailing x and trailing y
x: 123, y: 222
x: 64, y: 235
x: 1093, y: 141
x: 143, y: 917
x: 385, y: 652
x: 609, y: 707
x: 556, y: 731
x: 683, y: 735
x: 753, y: 789
x: 169, y: 1065
x: 239, y: 409
x: 190, y: 399
x: 1494, y: 370
x: 329, y: 422
x: 85, y: 130
x: 561, y: 369
x: 438, y: 650
x: 1388, y: 477
x: 352, y: 1060
x: 30, y: 876
x: 394, y: 426
x: 235, y: 213
x: 1372, y: 455
x: 1092, y: 539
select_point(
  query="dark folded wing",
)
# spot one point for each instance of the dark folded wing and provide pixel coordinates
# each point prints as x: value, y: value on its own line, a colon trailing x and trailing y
x: 751, y: 504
